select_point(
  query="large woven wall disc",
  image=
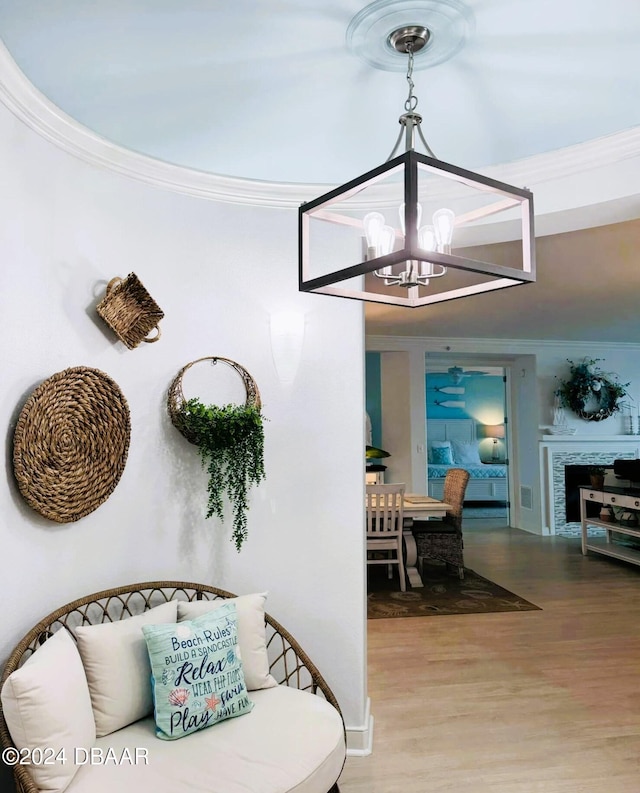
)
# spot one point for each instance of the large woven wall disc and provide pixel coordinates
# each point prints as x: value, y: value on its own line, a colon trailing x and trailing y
x: 71, y: 442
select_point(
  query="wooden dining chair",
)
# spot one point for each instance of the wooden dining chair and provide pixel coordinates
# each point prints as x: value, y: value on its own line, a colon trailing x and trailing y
x: 442, y: 539
x: 385, y: 516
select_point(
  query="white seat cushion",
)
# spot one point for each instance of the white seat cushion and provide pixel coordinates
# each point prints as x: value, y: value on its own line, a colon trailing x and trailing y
x: 291, y: 742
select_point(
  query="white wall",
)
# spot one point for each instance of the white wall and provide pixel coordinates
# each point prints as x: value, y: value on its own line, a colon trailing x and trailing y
x: 404, y: 432
x: 218, y: 271
x: 535, y: 370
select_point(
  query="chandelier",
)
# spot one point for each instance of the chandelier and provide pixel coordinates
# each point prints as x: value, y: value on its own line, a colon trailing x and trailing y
x: 416, y: 230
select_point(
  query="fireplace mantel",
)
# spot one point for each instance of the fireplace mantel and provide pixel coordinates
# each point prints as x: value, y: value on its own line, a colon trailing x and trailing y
x: 592, y: 439
x: 556, y: 451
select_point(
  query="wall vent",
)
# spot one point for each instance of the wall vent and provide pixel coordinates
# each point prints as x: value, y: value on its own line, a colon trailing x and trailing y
x: 526, y: 497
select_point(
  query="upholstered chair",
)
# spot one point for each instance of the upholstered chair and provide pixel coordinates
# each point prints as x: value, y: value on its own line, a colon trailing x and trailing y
x: 442, y: 539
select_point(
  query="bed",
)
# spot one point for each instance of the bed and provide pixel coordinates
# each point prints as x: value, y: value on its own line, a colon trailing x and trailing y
x: 457, y: 438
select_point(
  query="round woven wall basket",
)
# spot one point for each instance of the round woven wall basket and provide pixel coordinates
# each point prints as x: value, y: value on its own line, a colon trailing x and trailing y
x: 70, y: 444
x: 176, y: 395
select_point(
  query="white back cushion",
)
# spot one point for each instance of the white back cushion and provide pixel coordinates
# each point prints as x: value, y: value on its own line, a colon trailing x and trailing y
x: 251, y: 634
x: 46, y: 705
x: 466, y: 453
x: 117, y: 666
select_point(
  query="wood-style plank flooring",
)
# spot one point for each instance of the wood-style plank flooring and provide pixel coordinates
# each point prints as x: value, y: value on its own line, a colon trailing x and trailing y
x: 531, y: 702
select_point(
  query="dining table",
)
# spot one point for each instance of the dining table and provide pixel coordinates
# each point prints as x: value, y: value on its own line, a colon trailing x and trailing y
x: 418, y: 507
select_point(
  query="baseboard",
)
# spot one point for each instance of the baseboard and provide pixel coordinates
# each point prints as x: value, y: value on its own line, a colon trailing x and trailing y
x: 360, y: 739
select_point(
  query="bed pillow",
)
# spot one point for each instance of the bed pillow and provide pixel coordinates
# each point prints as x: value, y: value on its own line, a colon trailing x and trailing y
x: 252, y: 638
x: 466, y: 453
x: 47, y: 708
x: 442, y: 455
x: 115, y: 659
x: 197, y: 678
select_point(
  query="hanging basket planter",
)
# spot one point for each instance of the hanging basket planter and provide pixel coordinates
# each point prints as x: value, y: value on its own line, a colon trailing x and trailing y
x: 589, y: 392
x: 230, y: 440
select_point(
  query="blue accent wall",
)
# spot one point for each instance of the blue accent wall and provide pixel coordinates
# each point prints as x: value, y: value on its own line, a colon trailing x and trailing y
x: 483, y: 397
x: 373, y: 395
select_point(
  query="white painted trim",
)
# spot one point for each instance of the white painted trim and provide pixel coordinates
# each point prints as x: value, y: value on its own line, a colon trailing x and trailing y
x: 457, y: 346
x: 569, y: 440
x: 42, y: 116
x: 360, y: 739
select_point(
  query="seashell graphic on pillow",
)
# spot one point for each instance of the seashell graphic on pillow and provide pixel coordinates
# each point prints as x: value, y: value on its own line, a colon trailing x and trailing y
x: 178, y: 696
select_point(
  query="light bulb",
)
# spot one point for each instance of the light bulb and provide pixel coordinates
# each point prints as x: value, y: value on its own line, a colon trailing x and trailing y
x: 372, y: 224
x: 386, y: 241
x: 427, y: 238
x: 443, y: 220
x: 426, y: 241
x: 401, y: 214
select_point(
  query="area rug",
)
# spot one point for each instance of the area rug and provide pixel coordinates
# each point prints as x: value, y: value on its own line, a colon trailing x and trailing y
x: 443, y: 593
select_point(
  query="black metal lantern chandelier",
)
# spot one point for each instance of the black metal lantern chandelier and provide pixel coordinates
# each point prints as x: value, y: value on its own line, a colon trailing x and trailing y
x: 415, y: 230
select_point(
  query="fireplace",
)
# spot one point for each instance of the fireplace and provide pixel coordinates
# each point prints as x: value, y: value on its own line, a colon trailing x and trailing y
x: 576, y: 452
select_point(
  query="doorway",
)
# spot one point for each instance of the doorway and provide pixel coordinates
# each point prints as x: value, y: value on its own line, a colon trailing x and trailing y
x: 467, y: 427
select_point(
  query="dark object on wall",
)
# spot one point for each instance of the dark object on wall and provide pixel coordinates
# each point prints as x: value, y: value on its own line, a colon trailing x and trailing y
x: 130, y: 311
x: 70, y: 443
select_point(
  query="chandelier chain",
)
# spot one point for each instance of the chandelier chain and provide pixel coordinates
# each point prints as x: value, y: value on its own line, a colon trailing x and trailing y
x: 412, y: 101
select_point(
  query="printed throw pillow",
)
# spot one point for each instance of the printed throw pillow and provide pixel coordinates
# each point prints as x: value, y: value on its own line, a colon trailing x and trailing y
x: 196, y: 673
x: 436, y: 445
x: 441, y: 455
x: 466, y: 453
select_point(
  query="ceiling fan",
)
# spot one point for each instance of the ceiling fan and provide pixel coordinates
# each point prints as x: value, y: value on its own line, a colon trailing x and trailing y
x: 458, y: 373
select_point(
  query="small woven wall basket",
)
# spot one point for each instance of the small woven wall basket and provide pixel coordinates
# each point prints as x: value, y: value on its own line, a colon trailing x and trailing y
x: 177, y: 398
x: 130, y: 311
x: 70, y: 443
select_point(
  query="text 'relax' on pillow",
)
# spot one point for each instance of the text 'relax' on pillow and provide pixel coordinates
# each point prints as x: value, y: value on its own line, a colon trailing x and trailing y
x: 252, y: 638
x: 466, y: 453
x: 197, y: 674
x: 116, y: 662
x: 47, y: 708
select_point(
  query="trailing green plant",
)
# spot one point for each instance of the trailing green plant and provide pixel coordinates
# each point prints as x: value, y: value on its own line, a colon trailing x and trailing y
x: 587, y: 384
x: 231, y: 444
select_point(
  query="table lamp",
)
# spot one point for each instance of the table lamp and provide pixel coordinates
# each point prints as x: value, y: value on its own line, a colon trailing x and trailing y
x: 494, y: 431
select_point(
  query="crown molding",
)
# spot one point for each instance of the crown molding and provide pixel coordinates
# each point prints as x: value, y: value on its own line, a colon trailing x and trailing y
x: 39, y: 114
x: 495, y: 347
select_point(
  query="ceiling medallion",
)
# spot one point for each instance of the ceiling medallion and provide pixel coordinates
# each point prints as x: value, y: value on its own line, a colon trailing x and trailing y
x: 449, y: 24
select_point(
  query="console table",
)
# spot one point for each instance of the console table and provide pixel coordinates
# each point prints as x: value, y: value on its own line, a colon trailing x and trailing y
x: 620, y: 497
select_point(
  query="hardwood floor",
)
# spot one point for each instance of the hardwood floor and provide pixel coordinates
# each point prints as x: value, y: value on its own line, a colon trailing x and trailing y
x: 532, y: 702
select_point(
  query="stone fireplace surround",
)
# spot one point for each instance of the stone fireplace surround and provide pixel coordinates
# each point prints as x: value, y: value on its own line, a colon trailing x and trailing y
x: 556, y: 451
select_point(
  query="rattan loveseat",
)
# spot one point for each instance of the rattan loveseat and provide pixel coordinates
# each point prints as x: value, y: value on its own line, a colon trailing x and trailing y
x: 304, y: 757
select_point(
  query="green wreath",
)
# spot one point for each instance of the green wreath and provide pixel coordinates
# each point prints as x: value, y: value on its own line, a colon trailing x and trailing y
x: 589, y: 392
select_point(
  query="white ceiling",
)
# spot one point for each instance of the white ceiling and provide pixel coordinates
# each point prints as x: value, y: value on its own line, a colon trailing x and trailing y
x: 275, y: 91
